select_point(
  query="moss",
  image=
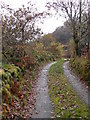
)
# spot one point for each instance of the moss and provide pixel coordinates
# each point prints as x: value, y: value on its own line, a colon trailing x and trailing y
x: 7, y: 86
x: 6, y: 92
x: 10, y: 71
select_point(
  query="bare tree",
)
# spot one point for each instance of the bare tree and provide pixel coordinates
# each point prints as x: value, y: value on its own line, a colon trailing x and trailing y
x: 73, y: 11
x: 18, y: 28
x: 88, y: 23
x: 21, y: 21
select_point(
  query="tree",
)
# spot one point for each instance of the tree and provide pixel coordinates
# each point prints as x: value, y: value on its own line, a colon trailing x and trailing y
x: 47, y: 39
x: 0, y: 45
x: 20, y: 24
x: 88, y: 23
x: 72, y: 10
x: 18, y: 28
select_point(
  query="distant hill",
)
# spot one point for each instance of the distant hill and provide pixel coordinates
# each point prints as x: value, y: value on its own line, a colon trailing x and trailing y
x: 63, y: 34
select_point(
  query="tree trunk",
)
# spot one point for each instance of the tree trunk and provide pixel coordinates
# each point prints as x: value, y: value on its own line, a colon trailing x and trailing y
x: 22, y: 35
x: 76, y: 40
x: 80, y: 27
x: 77, y: 49
x: 88, y: 48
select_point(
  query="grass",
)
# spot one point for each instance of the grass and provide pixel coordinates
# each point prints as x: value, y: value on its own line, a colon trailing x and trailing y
x: 66, y: 102
x: 81, y: 66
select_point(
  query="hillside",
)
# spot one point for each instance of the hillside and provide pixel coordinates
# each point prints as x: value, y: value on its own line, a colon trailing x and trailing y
x: 63, y: 34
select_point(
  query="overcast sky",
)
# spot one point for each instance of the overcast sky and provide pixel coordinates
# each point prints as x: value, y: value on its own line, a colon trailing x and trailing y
x: 50, y: 24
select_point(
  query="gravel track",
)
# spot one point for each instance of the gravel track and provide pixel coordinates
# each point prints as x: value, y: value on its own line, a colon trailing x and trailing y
x: 43, y: 104
x: 79, y: 87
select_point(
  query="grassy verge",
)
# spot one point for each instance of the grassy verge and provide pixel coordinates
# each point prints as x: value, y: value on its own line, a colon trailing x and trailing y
x: 81, y: 66
x: 65, y: 100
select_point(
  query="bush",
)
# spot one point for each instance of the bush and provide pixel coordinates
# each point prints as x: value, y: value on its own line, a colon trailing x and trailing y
x: 81, y: 65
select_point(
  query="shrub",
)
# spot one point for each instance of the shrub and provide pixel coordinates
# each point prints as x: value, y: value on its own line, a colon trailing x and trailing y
x: 81, y: 67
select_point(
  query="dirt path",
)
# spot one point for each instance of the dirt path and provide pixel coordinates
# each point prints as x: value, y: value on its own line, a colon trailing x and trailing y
x: 43, y: 104
x: 79, y: 87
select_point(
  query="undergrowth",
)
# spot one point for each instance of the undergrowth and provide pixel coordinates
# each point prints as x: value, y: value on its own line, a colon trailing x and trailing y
x: 81, y: 66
